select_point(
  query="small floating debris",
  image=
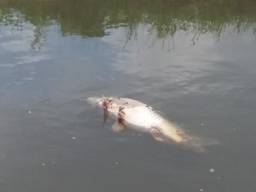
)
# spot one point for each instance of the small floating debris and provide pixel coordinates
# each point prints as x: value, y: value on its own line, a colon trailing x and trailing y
x: 29, y: 112
x: 74, y: 138
x: 201, y: 190
x: 43, y: 164
x: 116, y: 163
x: 211, y: 170
x: 201, y: 124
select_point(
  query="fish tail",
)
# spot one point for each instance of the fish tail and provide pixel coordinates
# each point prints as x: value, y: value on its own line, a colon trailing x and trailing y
x: 198, y: 144
x: 175, y: 134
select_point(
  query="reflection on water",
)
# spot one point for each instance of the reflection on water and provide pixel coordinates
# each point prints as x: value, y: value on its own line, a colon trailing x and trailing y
x: 92, y: 18
x: 192, y: 60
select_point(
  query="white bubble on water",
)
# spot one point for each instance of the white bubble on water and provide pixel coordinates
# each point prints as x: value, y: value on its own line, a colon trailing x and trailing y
x: 116, y: 162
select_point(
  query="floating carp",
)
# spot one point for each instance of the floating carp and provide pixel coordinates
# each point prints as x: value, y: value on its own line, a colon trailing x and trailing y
x: 141, y: 117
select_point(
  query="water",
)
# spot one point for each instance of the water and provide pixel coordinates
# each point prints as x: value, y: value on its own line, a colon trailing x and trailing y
x: 193, y: 61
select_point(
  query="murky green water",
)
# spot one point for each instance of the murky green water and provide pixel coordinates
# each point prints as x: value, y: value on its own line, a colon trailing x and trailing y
x: 193, y: 60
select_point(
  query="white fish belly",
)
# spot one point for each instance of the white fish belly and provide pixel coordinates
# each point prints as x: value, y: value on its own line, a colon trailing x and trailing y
x: 142, y: 117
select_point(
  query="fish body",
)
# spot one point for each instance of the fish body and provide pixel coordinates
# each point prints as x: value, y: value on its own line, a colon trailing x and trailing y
x: 141, y: 117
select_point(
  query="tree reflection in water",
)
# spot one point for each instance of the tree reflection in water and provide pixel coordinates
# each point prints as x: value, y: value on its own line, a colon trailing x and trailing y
x: 89, y: 18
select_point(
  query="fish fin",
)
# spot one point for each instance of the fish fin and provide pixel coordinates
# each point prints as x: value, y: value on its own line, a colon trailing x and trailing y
x: 105, y: 116
x: 157, y: 135
x: 118, y: 127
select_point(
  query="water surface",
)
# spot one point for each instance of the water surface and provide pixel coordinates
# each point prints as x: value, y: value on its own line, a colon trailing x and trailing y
x: 192, y: 60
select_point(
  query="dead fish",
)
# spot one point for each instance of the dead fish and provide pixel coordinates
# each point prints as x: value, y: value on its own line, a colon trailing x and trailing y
x: 130, y: 113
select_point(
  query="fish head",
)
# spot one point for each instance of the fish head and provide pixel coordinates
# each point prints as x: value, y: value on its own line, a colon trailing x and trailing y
x: 99, y: 101
x: 95, y: 101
